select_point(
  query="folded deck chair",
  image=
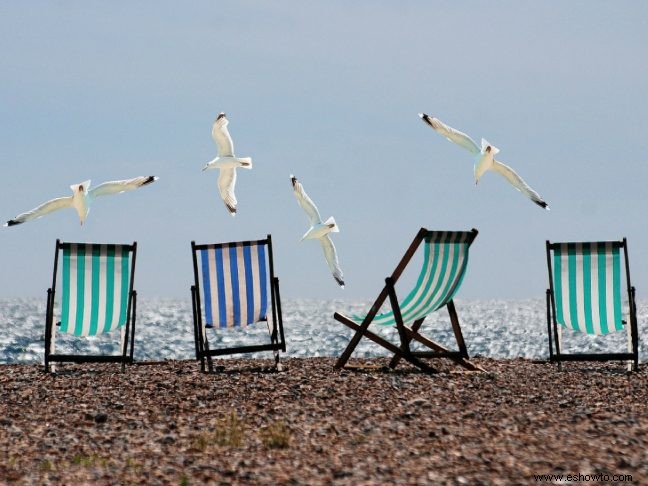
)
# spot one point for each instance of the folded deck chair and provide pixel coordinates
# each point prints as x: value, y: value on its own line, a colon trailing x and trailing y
x: 584, y: 295
x: 445, y: 257
x: 231, y: 285
x: 97, y: 296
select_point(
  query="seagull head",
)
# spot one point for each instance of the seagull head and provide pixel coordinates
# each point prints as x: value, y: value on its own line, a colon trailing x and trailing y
x: 488, y: 148
x: 81, y: 188
x: 221, y: 120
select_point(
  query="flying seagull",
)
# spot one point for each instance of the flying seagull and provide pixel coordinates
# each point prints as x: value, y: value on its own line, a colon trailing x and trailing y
x: 484, y: 158
x: 226, y: 162
x: 319, y: 230
x: 81, y: 199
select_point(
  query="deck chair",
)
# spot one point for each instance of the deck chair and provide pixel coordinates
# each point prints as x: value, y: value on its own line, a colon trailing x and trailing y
x: 584, y: 296
x: 97, y: 296
x: 230, y: 290
x: 445, y: 257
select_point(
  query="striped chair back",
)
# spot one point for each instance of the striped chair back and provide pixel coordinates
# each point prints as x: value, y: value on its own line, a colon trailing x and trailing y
x: 586, y: 286
x: 235, y: 279
x: 95, y: 284
x: 445, y: 258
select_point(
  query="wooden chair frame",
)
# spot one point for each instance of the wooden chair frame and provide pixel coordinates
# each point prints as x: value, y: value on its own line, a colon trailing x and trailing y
x: 277, y: 339
x: 127, y: 330
x: 554, y: 331
x: 407, y: 334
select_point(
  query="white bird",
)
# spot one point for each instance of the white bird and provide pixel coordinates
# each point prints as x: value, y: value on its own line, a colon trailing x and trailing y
x: 81, y: 199
x: 319, y: 230
x: 226, y: 162
x: 484, y: 158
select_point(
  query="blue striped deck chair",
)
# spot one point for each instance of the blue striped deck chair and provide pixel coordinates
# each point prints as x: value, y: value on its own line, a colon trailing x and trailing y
x: 585, y: 296
x: 97, y: 296
x: 233, y: 285
x: 445, y: 259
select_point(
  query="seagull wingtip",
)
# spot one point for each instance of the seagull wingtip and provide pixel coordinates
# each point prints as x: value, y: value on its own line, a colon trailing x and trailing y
x: 426, y: 118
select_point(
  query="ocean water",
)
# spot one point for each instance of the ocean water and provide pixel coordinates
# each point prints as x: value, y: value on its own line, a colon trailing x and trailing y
x: 164, y: 330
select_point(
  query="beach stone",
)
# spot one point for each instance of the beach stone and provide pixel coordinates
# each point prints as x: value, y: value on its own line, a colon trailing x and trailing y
x: 101, y: 418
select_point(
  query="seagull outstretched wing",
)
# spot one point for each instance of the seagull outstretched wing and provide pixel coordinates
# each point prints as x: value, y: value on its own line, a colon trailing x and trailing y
x: 226, y: 183
x: 42, y: 210
x: 331, y: 258
x: 305, y: 202
x: 519, y: 183
x: 455, y: 136
x: 116, y: 187
x: 221, y: 136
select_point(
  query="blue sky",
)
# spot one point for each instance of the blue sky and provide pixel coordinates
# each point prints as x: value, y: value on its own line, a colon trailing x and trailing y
x: 329, y: 91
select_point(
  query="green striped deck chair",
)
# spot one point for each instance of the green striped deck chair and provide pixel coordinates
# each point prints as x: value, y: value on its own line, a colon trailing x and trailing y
x: 97, y: 296
x: 445, y: 259
x: 585, y: 296
x: 233, y: 284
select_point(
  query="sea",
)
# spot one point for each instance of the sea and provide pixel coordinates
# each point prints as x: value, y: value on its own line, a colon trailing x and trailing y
x: 164, y: 331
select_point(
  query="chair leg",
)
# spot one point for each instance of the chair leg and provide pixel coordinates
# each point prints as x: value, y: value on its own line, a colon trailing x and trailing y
x: 415, y: 327
x: 355, y: 340
x: 442, y: 351
x: 456, y: 328
x: 559, y: 346
x: 205, y: 346
x: 274, y: 340
x: 123, y: 342
x: 549, y: 325
x: 48, y: 325
x: 630, y: 364
x: 384, y: 343
x: 633, y: 329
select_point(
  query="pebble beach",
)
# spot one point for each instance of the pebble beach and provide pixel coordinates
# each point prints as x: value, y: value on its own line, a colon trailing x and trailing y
x: 169, y: 423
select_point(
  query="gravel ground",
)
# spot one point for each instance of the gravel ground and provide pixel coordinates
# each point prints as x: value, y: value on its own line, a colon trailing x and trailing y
x: 168, y: 423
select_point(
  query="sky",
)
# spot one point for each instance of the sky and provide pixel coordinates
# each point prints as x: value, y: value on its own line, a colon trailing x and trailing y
x: 328, y: 91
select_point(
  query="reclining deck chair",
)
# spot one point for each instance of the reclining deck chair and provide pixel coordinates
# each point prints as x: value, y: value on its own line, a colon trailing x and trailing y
x: 97, y: 296
x: 584, y: 295
x: 235, y: 280
x: 444, y: 263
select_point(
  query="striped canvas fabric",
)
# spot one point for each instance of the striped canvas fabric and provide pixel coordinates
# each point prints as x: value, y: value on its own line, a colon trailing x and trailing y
x: 235, y: 284
x: 95, y: 281
x: 587, y: 286
x: 444, y: 263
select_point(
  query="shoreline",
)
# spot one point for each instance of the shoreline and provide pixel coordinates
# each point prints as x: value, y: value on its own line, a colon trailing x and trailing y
x: 168, y: 423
